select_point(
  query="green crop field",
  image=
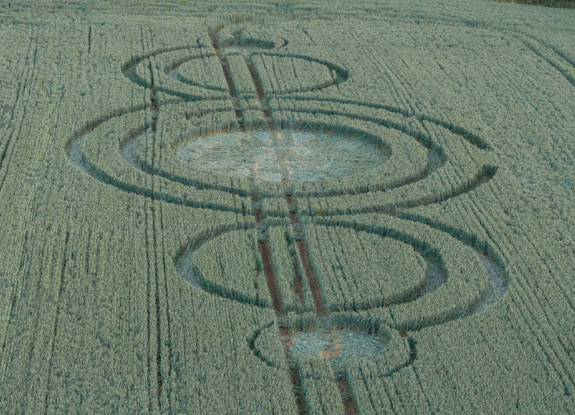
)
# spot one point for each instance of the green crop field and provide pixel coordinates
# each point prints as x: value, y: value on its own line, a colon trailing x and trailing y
x: 296, y: 207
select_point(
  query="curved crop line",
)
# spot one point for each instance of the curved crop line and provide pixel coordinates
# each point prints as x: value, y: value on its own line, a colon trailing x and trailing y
x: 570, y: 78
x: 185, y: 267
x: 252, y: 345
x: 467, y: 239
x: 417, y: 291
x: 129, y: 71
x: 555, y: 49
x: 104, y: 177
x: 467, y: 135
x: 493, y: 264
x: 398, y: 236
x: 431, y: 166
x: 74, y: 145
x: 486, y: 174
x: 251, y: 42
x: 73, y: 149
x: 127, y: 150
x: 226, y: 293
x: 412, y: 349
x: 286, y: 42
x: 127, y: 147
x: 342, y: 73
x: 200, y: 113
x: 409, y: 362
x: 264, y: 44
x: 183, y: 262
x: 434, y: 164
x: 196, y: 243
x: 166, y: 50
x: 93, y: 124
x: 176, y: 64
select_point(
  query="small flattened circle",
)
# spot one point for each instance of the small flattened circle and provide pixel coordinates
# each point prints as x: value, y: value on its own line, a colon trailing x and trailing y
x: 330, y: 343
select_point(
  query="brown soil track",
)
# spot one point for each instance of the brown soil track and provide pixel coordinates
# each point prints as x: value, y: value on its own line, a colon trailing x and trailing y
x: 298, y: 287
x: 270, y: 277
x: 292, y: 213
x: 313, y: 283
x: 293, y: 374
x: 261, y: 95
x: 301, y: 409
x: 483, y: 177
x: 287, y: 344
x: 349, y: 407
x: 230, y: 82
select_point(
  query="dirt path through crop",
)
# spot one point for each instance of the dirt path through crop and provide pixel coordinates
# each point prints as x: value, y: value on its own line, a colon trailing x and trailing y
x: 228, y: 75
x: 348, y: 404
x: 264, y: 249
x: 263, y: 245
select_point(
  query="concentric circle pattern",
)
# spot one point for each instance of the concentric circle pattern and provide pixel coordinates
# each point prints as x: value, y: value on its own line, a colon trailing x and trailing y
x: 323, y: 239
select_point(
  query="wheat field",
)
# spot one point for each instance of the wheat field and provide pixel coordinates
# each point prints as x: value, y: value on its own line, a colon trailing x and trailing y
x: 296, y: 207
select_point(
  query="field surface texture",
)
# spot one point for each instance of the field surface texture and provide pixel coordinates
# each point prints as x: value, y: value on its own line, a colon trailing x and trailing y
x: 319, y: 208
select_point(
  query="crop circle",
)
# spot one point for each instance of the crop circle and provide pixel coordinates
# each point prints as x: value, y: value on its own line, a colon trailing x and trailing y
x: 285, y: 154
x: 335, y: 344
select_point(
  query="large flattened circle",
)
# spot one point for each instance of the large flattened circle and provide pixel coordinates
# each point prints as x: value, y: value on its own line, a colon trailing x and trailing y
x: 406, y: 159
x: 292, y: 155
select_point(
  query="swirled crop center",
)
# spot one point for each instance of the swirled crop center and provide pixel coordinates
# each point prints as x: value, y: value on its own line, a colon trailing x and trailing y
x: 274, y: 156
x: 334, y: 343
